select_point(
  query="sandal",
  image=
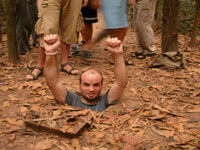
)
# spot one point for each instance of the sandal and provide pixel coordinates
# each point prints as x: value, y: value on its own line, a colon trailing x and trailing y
x: 70, y: 71
x: 87, y: 55
x: 140, y: 55
x: 73, y: 52
x: 82, y: 43
x: 143, y: 54
x: 127, y: 62
x: 34, y: 76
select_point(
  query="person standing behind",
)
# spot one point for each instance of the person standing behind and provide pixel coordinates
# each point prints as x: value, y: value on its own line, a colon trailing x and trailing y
x: 34, y: 17
x: 89, y: 17
x: 26, y: 13
x: 58, y: 16
x: 143, y: 18
x: 115, y: 15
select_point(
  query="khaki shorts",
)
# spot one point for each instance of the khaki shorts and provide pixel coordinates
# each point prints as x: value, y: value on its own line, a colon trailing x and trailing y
x: 61, y: 17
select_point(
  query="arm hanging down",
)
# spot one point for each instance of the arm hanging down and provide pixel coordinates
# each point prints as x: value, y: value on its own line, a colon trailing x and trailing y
x: 115, y: 47
x: 51, y: 45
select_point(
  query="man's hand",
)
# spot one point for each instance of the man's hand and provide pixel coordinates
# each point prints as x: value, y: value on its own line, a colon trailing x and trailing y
x: 51, y: 43
x: 85, y: 3
x: 114, y: 45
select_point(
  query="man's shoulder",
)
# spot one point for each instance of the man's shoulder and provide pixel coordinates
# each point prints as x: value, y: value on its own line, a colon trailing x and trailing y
x: 72, y: 98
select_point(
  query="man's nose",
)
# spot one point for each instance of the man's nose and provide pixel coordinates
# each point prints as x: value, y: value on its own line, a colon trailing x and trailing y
x: 91, y: 88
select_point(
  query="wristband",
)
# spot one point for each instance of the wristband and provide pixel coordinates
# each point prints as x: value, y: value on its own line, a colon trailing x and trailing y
x: 50, y: 54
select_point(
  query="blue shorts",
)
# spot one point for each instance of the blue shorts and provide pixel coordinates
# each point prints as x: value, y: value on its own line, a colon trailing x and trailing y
x: 115, y: 13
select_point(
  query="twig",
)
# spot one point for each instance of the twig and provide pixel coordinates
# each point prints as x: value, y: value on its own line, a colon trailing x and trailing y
x: 101, y: 145
x: 65, y: 144
x: 42, y: 119
x: 134, y: 123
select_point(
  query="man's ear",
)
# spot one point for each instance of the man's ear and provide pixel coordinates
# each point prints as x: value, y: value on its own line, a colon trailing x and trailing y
x: 102, y: 84
x: 79, y: 85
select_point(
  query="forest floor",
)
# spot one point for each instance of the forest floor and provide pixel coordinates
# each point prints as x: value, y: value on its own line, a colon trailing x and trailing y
x: 160, y: 109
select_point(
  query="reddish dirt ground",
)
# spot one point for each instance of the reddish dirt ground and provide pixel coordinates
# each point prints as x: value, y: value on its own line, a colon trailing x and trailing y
x: 160, y: 109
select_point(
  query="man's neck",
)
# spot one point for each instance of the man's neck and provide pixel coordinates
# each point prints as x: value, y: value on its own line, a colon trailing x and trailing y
x: 85, y: 101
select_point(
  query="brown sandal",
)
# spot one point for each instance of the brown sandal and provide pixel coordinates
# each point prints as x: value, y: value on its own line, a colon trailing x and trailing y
x: 70, y: 71
x: 34, y: 76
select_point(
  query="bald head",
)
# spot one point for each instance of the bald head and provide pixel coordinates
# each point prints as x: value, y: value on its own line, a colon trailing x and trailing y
x: 91, y: 72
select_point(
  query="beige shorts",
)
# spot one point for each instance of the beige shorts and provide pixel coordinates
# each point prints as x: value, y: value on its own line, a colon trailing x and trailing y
x: 61, y: 17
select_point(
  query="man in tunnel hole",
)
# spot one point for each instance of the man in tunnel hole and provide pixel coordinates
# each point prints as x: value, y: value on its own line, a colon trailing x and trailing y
x: 91, y: 80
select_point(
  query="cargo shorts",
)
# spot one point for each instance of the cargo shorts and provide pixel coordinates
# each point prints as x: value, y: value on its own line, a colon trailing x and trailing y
x: 61, y: 17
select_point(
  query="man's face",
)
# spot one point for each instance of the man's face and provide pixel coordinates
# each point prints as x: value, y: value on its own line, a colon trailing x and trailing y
x: 91, y: 85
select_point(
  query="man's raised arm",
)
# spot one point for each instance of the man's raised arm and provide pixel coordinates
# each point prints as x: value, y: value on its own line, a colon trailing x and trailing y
x: 115, y: 47
x: 51, y: 45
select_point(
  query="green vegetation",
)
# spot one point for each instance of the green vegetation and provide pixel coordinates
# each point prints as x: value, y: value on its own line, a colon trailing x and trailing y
x: 2, y: 16
x: 186, y: 14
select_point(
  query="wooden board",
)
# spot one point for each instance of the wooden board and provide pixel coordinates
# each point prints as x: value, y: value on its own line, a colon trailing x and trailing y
x: 69, y: 123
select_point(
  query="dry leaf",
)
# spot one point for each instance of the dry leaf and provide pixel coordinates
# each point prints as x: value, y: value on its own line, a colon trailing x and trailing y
x: 99, y: 134
x: 14, y: 121
x: 140, y: 133
x: 180, y: 128
x: 85, y: 148
x: 13, y: 129
x: 75, y: 143
x: 35, y: 108
x: 193, y: 111
x: 158, y: 87
x: 65, y: 128
x: 57, y: 113
x: 6, y: 104
x: 70, y: 130
x: 124, y: 118
x: 165, y: 133
x: 159, y: 116
x: 169, y: 133
x: 4, y: 88
x: 185, y: 138
x: 52, y: 124
x: 23, y: 109
x: 156, y: 148
x: 79, y: 113
x: 36, y: 85
x: 133, y: 140
x: 45, y: 144
x: 129, y: 147
x: 134, y: 91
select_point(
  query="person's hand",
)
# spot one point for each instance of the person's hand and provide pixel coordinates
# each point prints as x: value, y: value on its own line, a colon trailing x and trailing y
x: 95, y: 4
x: 114, y: 45
x: 85, y: 3
x: 51, y: 43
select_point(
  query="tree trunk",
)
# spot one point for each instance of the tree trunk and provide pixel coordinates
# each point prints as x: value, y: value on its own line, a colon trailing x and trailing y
x: 196, y: 25
x: 171, y: 58
x: 0, y: 31
x: 10, y: 11
x: 170, y: 26
x: 1, y: 11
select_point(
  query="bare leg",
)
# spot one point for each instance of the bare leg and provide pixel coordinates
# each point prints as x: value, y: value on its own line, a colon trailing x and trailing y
x: 65, y: 48
x: 87, y: 36
x: 88, y: 32
x: 119, y: 33
x: 40, y: 63
x: 83, y: 33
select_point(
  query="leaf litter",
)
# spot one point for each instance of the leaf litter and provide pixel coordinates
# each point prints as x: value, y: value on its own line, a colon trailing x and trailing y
x: 159, y: 109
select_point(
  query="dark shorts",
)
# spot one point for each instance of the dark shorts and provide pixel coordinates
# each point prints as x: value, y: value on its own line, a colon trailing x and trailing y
x: 89, y: 15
